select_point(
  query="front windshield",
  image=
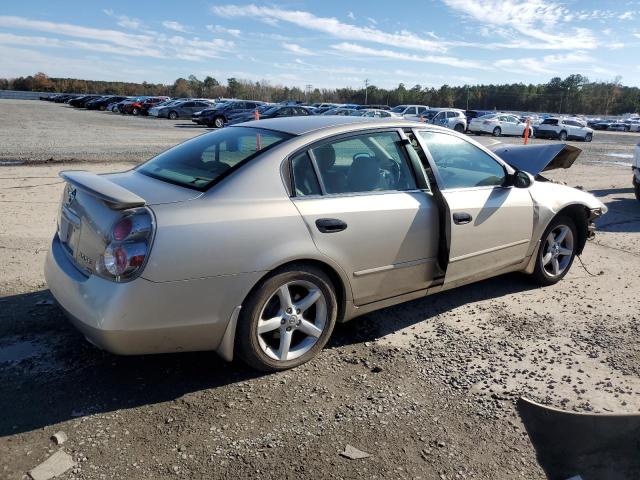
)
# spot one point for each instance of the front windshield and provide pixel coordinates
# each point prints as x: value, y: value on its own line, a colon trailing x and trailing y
x: 199, y: 162
x: 489, y: 116
x: 358, y: 113
x: 271, y: 111
x: 399, y: 109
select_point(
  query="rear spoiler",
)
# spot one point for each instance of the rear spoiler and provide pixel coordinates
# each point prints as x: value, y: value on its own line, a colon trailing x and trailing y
x: 100, y: 187
x: 537, y: 158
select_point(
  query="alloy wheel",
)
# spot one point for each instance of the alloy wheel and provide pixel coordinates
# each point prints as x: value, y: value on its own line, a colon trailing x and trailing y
x: 292, y: 320
x: 557, y: 252
x: 218, y: 122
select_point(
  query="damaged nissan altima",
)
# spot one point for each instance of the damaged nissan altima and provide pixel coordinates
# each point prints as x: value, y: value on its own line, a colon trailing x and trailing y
x: 254, y: 240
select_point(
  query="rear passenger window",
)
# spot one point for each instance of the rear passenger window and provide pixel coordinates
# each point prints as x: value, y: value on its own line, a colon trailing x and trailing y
x: 364, y: 163
x: 305, y: 180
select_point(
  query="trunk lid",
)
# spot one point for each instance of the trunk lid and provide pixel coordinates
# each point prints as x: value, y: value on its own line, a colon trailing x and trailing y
x: 91, y: 204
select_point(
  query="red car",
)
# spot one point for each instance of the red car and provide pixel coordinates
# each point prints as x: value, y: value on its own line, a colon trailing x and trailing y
x: 141, y: 107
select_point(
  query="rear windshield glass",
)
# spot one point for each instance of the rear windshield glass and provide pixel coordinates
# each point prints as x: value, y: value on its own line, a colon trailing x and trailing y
x: 550, y: 121
x: 199, y: 162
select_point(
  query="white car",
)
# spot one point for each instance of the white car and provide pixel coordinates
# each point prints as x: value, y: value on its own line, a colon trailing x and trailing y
x: 452, y: 118
x: 499, y: 124
x: 375, y: 113
x: 564, y: 129
x: 410, y: 112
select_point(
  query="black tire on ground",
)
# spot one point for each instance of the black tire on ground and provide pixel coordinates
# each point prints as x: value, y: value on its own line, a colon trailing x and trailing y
x: 497, y: 132
x: 636, y: 187
x: 459, y: 128
x: 247, y: 345
x: 562, y: 136
x: 173, y: 115
x: 588, y: 137
x: 540, y: 273
x: 218, y: 122
x: 136, y: 111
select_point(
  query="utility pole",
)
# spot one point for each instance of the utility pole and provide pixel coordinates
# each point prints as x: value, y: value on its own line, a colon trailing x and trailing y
x: 307, y: 91
x: 366, y: 90
x: 467, y: 97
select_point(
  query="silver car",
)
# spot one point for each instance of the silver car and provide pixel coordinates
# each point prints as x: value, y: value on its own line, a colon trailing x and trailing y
x: 254, y: 240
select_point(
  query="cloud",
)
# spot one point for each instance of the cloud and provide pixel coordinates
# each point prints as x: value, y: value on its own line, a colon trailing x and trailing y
x: 175, y: 26
x: 150, y: 44
x: 220, y: 29
x: 352, y: 48
x: 297, y: 49
x: 351, y: 16
x: 534, y: 20
x: 548, y: 64
x: 629, y: 15
x: 331, y: 26
x: 124, y: 21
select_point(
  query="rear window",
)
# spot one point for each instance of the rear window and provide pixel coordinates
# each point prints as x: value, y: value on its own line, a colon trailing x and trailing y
x: 550, y: 121
x: 200, y: 162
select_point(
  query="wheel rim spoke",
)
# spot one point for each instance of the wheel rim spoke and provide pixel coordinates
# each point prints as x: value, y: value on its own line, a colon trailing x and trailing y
x: 562, y: 234
x: 547, y: 258
x: 285, y: 297
x: 285, y: 343
x: 309, y: 328
x: 565, y: 252
x: 304, y: 304
x: 269, y: 325
x: 556, y: 266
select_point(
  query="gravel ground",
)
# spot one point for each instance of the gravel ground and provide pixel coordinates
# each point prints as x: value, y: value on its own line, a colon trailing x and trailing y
x: 427, y: 388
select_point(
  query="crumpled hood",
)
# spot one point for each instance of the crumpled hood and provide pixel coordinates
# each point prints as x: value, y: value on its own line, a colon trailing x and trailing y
x: 537, y: 158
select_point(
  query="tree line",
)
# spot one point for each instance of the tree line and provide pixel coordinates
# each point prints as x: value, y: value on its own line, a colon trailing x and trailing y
x: 574, y: 94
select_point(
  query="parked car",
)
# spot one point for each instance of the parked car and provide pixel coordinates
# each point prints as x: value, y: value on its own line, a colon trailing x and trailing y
x: 601, y: 124
x: 276, y: 111
x: 141, y: 105
x: 375, y: 113
x: 471, y: 114
x: 218, y: 115
x: 254, y: 240
x: 564, y: 129
x: 636, y: 172
x: 499, y: 124
x: 339, y: 111
x: 153, y: 111
x: 368, y: 107
x: 125, y: 105
x: 634, y: 125
x: 183, y: 109
x: 103, y: 102
x: 410, y: 112
x: 81, y: 102
x: 450, y: 118
x: 64, y: 98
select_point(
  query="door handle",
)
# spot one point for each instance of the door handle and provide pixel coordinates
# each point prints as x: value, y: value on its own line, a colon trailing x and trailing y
x: 330, y: 225
x: 461, y: 218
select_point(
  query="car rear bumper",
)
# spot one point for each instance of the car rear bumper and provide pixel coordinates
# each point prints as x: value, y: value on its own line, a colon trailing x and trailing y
x: 546, y: 133
x: 141, y: 316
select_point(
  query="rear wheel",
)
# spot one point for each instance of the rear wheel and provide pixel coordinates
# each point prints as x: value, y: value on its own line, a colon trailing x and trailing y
x: 287, y: 320
x: 459, y: 128
x: 173, y: 115
x: 562, y: 136
x: 218, y: 122
x: 557, y: 251
x: 497, y: 132
x: 588, y: 137
x: 136, y: 111
x: 636, y: 187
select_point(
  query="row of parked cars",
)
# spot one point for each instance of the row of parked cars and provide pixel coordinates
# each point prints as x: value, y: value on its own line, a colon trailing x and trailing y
x: 217, y: 114
x: 631, y: 124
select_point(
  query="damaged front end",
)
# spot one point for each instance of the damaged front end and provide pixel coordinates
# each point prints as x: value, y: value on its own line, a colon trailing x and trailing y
x: 535, y: 159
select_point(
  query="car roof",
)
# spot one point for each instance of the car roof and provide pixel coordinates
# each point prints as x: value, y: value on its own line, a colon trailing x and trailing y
x: 303, y: 125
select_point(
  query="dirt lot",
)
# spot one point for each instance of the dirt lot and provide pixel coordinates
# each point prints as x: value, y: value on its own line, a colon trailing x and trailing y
x: 427, y: 388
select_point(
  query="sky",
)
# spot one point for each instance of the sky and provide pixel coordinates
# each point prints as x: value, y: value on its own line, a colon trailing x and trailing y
x: 326, y: 44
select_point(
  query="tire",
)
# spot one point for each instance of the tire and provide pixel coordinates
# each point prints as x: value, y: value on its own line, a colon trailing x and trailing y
x: 497, y: 132
x: 551, y: 264
x: 562, y: 136
x: 588, y: 137
x: 102, y: 108
x: 218, y: 122
x: 136, y: 111
x: 173, y: 115
x: 261, y: 350
x: 459, y: 128
x: 636, y: 187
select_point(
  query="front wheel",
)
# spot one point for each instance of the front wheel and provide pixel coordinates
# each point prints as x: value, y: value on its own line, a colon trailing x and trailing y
x: 173, y: 115
x: 497, y: 132
x: 459, y: 128
x: 562, y: 136
x: 588, y: 137
x: 557, y: 251
x: 636, y: 187
x: 218, y: 122
x: 287, y: 320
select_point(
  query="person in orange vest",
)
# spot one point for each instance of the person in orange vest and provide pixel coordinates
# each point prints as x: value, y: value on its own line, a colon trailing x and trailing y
x: 256, y: 114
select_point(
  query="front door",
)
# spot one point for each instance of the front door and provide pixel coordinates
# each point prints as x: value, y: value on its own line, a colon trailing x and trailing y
x: 358, y: 197
x: 489, y: 225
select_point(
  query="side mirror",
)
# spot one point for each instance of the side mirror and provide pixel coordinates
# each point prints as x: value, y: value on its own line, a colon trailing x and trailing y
x: 522, y: 179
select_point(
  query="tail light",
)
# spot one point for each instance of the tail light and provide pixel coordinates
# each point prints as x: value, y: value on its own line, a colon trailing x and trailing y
x: 128, y: 245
